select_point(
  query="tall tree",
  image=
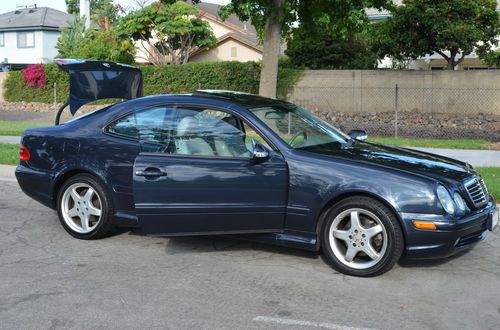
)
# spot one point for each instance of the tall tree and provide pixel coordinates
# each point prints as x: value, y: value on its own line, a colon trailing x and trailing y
x: 76, y: 42
x: 71, y: 38
x: 334, y: 44
x: 491, y: 58
x: 169, y: 32
x: 102, y: 12
x: 274, y: 18
x: 450, y: 28
x: 330, y: 51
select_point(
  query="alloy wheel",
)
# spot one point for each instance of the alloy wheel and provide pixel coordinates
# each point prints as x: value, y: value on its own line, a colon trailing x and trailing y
x: 358, y: 238
x: 81, y: 208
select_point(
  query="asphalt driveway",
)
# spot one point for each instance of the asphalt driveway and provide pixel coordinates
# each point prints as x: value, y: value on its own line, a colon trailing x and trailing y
x: 49, y: 280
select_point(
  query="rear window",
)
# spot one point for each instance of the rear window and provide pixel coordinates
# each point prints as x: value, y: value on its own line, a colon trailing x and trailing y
x: 146, y: 125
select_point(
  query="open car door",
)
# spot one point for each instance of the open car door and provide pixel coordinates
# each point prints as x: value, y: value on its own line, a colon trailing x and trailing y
x: 91, y: 80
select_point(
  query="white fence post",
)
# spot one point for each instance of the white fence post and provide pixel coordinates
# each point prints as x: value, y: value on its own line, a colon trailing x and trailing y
x: 396, y: 106
x: 55, y: 95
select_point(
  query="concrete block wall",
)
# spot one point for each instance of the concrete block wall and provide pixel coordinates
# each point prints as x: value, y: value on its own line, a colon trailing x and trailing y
x: 421, y: 91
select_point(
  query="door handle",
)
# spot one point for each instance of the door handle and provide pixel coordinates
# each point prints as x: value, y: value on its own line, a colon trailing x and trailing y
x: 151, y: 172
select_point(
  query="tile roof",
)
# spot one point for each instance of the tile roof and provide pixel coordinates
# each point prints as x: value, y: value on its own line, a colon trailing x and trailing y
x: 41, y: 18
x: 212, y: 10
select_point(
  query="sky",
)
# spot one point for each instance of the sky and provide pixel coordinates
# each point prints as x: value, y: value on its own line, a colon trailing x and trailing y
x: 10, y: 5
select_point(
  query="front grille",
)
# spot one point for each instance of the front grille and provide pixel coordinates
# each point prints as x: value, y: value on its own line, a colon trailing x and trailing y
x: 477, y: 191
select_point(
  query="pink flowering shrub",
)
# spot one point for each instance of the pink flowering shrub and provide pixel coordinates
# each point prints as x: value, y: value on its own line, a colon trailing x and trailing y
x: 34, y: 76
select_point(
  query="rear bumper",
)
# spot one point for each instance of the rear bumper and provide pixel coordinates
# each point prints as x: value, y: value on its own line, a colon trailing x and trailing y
x: 36, y: 184
x: 451, y: 236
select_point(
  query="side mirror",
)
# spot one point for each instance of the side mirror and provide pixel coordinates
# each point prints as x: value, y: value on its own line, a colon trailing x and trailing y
x: 358, y: 134
x: 259, y: 151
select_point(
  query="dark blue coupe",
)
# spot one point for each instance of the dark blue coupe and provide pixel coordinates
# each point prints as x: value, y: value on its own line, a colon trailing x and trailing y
x: 219, y: 162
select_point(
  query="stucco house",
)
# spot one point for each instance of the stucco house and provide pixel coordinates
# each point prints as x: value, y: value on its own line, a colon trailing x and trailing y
x: 237, y: 40
x: 29, y: 35
x: 430, y: 61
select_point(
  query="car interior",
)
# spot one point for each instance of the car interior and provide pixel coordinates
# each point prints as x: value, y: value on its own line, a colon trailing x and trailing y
x: 187, y: 131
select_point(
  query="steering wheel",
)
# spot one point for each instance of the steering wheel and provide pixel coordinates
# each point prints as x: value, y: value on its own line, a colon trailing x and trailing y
x: 296, y: 135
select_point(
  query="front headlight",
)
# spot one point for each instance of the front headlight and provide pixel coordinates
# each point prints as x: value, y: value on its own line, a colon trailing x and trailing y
x: 445, y: 199
x: 459, y: 202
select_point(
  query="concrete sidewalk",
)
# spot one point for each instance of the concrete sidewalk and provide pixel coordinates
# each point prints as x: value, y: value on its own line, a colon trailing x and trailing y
x: 473, y: 157
x: 7, y: 173
x: 10, y: 139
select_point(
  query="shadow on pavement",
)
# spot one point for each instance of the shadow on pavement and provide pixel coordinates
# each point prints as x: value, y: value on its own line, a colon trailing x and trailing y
x: 210, y: 243
x: 420, y: 263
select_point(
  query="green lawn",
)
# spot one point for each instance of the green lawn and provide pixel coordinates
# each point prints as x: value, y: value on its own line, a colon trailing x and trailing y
x: 491, y: 176
x: 9, y: 154
x: 16, y: 128
x: 434, y: 143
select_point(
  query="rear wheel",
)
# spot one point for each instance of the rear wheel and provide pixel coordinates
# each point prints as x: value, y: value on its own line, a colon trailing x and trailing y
x: 362, y: 237
x: 85, y: 207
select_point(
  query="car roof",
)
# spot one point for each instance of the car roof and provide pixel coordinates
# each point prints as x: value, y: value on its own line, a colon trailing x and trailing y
x: 245, y: 100
x: 218, y: 98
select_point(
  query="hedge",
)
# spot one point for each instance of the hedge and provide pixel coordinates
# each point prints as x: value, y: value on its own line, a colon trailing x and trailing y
x: 184, y: 78
x: 15, y: 90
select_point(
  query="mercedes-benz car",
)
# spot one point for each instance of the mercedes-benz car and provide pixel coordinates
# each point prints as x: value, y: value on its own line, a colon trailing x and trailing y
x: 229, y: 163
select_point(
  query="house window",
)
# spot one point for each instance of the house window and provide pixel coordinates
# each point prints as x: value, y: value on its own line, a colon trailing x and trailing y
x: 2, y: 40
x: 26, y: 39
x: 234, y: 52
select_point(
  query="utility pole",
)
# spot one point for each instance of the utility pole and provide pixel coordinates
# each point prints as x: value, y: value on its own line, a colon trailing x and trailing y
x: 85, y: 11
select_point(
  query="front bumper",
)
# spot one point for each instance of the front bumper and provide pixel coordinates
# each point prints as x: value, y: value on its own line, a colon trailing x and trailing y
x: 451, y: 235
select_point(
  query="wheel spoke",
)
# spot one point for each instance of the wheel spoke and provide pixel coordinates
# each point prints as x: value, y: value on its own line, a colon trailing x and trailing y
x: 73, y: 213
x: 94, y: 210
x: 355, y: 223
x: 341, y: 234
x: 370, y: 252
x: 85, y: 222
x: 75, y: 195
x: 372, y: 231
x: 350, y: 254
x: 88, y: 195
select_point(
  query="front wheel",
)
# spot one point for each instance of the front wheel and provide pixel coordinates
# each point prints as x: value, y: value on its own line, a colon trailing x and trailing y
x: 85, y: 208
x: 361, y: 237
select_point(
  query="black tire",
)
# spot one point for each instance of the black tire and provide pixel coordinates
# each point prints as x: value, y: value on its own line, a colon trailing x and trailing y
x: 395, y: 239
x: 105, y: 224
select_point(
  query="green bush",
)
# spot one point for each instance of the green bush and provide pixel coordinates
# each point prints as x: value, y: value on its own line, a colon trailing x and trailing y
x: 320, y: 49
x: 243, y: 77
x: 185, y: 78
x: 17, y: 91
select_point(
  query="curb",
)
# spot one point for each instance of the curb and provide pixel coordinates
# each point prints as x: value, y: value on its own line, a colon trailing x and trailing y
x: 7, y: 173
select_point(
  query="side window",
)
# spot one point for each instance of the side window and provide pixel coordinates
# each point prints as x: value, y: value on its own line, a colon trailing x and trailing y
x: 209, y: 132
x: 145, y: 125
x: 252, y: 135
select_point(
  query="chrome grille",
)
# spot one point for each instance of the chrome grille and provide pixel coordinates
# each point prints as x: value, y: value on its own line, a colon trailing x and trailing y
x: 477, y: 191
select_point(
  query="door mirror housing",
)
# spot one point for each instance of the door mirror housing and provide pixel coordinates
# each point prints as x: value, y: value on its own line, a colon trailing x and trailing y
x: 259, y: 151
x: 358, y: 134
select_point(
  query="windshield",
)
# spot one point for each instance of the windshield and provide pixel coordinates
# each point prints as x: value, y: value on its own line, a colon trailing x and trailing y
x: 298, y: 127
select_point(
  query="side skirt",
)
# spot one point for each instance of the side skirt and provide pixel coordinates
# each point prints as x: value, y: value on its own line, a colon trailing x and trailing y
x: 293, y: 239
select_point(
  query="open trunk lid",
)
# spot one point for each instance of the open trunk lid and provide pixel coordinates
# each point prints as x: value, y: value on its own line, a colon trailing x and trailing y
x: 91, y: 80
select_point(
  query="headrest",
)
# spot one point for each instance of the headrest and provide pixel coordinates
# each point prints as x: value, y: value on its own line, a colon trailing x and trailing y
x: 187, y: 126
x: 231, y: 120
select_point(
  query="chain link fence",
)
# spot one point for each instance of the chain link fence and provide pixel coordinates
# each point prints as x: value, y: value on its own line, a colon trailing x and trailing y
x: 407, y: 112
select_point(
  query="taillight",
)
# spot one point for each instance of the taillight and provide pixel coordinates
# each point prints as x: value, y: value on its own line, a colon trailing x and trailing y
x: 24, y: 153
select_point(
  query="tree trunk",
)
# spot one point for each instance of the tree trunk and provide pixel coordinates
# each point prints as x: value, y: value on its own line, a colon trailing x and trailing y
x: 451, y: 65
x: 451, y: 60
x: 272, y: 42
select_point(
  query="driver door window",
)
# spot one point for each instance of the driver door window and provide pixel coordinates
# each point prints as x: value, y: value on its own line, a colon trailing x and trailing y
x: 210, y: 132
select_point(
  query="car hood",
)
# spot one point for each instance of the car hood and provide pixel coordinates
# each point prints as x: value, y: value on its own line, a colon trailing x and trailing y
x: 422, y: 163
